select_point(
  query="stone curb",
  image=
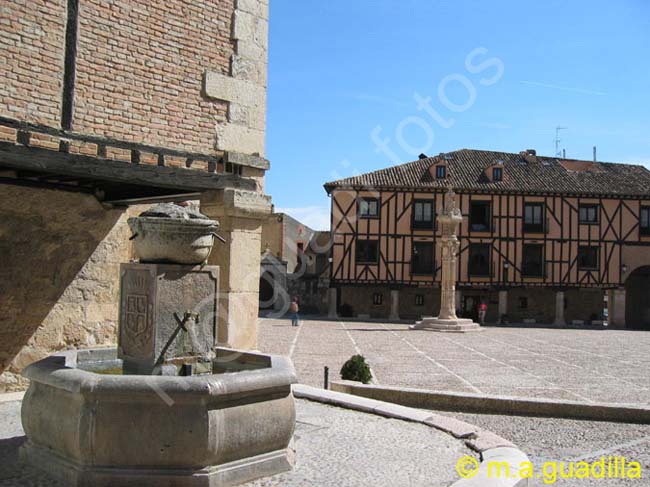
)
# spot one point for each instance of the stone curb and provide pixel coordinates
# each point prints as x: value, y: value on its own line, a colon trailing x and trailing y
x: 11, y: 396
x: 487, y: 444
x: 489, y: 404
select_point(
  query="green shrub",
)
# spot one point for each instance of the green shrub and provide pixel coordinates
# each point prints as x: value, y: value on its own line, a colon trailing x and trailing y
x: 356, y: 368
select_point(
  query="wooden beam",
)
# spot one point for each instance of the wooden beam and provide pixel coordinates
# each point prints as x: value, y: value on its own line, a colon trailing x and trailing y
x: 48, y: 161
x: 32, y: 183
x: 151, y: 199
x: 103, y: 142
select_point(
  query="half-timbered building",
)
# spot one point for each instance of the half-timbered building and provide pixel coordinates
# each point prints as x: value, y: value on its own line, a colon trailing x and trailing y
x: 543, y: 239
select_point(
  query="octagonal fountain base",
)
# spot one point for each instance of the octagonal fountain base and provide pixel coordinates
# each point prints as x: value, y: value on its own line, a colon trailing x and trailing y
x: 88, y: 425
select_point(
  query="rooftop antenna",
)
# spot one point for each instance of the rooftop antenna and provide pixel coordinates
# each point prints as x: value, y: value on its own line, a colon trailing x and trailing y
x: 558, y: 153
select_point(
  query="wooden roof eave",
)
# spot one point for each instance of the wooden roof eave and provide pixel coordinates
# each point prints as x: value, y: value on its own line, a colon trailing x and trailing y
x: 114, y: 181
x: 357, y: 187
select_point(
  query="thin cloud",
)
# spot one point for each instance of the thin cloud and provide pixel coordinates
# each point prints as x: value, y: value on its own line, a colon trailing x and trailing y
x: 315, y: 217
x: 563, y: 88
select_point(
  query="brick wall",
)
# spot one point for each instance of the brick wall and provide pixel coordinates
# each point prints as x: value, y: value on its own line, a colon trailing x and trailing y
x: 140, y: 68
x: 31, y: 55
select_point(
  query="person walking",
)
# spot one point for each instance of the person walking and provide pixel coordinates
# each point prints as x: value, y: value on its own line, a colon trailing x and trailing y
x: 482, y: 311
x: 293, y: 311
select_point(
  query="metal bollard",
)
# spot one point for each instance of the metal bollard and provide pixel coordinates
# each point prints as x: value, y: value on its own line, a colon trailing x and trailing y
x: 326, y: 377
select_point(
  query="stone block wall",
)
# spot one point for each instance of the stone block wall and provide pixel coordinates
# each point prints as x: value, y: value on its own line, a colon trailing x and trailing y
x: 59, y: 278
x: 539, y: 305
x: 361, y: 300
x: 582, y: 304
x: 408, y: 309
x: 31, y: 55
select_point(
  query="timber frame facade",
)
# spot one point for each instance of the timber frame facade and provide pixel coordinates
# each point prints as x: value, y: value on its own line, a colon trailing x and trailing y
x: 530, y: 239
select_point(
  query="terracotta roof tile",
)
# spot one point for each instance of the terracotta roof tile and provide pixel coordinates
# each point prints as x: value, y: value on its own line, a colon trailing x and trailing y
x: 466, y: 171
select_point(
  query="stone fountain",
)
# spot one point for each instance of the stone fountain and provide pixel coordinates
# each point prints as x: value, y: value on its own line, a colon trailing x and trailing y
x: 168, y: 407
x: 449, y: 217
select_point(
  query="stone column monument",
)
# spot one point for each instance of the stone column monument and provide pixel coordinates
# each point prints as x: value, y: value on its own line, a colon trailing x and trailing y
x: 449, y: 217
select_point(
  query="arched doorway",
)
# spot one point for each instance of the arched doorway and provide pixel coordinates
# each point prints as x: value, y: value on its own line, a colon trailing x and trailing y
x: 637, y: 299
x: 267, y: 298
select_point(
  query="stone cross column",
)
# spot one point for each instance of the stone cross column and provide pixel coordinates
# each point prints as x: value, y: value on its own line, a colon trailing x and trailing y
x: 449, y: 248
x: 449, y: 218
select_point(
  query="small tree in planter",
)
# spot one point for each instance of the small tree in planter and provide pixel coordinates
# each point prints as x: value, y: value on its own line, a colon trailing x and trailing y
x: 356, y: 368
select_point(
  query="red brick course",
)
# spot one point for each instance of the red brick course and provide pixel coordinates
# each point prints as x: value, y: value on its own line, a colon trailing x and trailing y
x: 140, y: 68
x: 31, y: 55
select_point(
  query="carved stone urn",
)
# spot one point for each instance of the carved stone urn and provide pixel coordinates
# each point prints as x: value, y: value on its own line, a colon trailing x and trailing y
x: 173, y: 234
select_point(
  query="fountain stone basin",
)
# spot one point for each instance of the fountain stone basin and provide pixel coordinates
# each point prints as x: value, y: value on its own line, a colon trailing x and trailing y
x: 88, y: 425
x: 173, y: 240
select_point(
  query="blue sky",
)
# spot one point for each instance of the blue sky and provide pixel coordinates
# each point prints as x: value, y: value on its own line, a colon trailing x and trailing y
x: 499, y: 75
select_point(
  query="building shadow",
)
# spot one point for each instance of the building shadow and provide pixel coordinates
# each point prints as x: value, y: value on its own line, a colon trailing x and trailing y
x: 46, y: 238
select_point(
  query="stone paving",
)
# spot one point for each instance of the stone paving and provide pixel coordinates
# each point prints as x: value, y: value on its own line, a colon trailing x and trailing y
x: 335, y: 447
x: 579, y: 365
x: 553, y: 439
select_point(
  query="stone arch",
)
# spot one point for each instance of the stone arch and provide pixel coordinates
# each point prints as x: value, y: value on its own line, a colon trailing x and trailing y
x: 267, y: 291
x: 637, y: 292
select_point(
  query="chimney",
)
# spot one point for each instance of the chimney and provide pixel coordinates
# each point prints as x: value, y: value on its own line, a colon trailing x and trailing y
x: 595, y: 154
x: 529, y: 155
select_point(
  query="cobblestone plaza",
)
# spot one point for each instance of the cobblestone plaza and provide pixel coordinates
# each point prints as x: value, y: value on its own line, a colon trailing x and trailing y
x: 578, y: 365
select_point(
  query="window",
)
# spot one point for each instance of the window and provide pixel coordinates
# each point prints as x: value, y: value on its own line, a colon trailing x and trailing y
x: 441, y: 172
x: 588, y: 214
x: 234, y: 168
x: 368, y: 208
x: 534, y: 217
x: 644, y: 223
x: 523, y: 302
x: 587, y: 258
x: 367, y: 251
x: 422, y: 216
x: 532, y: 264
x: 419, y: 299
x: 497, y: 174
x: 377, y: 299
x: 422, y: 258
x: 479, y: 259
x: 479, y: 216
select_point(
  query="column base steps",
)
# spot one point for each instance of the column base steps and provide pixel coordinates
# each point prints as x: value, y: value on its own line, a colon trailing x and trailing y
x: 458, y: 325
